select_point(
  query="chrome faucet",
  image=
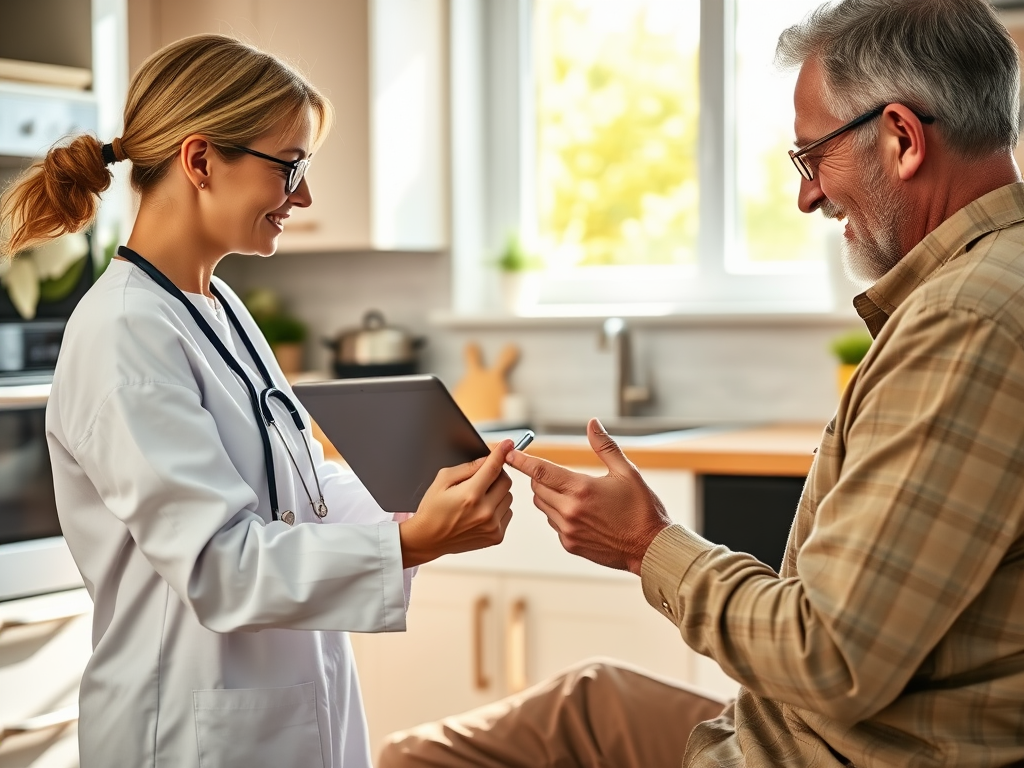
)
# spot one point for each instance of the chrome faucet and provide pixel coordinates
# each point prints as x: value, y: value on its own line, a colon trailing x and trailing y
x: 615, y: 334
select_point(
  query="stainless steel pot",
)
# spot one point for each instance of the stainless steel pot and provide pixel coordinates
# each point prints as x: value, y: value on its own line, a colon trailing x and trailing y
x: 375, y: 348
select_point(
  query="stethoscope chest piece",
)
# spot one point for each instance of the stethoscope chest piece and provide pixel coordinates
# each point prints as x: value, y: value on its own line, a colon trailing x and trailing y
x: 288, y: 517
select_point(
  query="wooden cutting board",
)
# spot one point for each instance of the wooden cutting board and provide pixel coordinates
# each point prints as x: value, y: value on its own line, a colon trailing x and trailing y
x: 481, y: 391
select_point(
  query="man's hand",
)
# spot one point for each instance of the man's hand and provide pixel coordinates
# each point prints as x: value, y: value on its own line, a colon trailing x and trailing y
x: 610, y: 520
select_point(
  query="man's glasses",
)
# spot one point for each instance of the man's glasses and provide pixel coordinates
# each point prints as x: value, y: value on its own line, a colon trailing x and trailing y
x: 296, y: 168
x: 797, y: 156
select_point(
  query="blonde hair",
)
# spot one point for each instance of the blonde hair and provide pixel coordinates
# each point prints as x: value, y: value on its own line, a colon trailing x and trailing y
x: 216, y: 86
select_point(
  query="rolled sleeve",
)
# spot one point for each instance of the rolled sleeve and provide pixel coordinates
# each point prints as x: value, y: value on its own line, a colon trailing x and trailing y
x: 664, y: 567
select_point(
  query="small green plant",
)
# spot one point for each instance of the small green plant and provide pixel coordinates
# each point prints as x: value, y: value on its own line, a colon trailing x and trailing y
x: 277, y: 326
x: 851, y: 347
x: 282, y: 329
x: 515, y: 259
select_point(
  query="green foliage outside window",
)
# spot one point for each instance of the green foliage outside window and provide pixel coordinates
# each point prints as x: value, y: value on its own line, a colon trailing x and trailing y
x: 618, y: 117
x: 772, y: 226
x: 617, y: 141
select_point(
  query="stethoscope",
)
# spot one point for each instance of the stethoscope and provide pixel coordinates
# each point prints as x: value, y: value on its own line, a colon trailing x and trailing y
x: 260, y: 400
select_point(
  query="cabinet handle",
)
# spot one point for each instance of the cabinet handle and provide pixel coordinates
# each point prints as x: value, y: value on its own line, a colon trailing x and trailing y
x: 40, y: 722
x: 56, y: 610
x: 515, y: 661
x: 480, y: 680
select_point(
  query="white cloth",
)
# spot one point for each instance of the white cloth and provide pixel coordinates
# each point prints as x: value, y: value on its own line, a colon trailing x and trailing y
x: 218, y: 634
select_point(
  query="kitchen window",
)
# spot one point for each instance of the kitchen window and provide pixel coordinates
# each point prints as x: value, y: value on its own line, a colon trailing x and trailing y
x: 639, y: 148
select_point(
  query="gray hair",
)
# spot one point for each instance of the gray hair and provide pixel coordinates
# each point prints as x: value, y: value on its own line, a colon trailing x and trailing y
x: 951, y: 59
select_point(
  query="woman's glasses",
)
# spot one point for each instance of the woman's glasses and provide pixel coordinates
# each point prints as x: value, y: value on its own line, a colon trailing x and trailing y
x: 296, y: 168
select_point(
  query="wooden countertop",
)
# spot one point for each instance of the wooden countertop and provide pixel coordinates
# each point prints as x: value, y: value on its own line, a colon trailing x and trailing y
x: 778, y: 449
x: 770, y: 449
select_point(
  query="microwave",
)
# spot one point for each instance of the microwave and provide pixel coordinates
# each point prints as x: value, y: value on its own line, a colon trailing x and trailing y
x: 29, y: 349
x: 34, y: 558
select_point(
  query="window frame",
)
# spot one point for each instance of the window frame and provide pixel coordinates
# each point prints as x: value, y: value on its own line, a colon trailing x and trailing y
x: 494, y: 173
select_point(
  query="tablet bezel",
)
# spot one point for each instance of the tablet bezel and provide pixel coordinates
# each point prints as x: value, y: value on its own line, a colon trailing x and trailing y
x: 395, y: 432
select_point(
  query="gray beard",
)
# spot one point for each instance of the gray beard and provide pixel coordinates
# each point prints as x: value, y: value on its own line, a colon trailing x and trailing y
x: 867, y: 261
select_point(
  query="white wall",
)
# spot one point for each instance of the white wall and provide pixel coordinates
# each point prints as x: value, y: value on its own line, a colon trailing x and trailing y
x: 708, y: 372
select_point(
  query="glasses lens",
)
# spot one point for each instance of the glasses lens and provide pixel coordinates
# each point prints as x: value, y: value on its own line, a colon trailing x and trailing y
x: 295, y: 177
x: 805, y: 170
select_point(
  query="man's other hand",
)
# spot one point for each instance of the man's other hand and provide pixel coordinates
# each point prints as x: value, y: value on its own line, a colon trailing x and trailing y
x: 610, y: 520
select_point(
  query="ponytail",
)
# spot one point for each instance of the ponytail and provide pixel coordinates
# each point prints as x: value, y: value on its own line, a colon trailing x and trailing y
x: 56, y: 196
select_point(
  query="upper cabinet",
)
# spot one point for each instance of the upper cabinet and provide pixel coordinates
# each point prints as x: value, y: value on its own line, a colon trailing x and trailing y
x: 378, y: 182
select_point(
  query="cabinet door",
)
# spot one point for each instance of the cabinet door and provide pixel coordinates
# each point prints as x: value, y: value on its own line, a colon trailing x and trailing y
x: 328, y: 42
x: 181, y: 18
x: 448, y: 661
x: 379, y: 179
x: 45, y: 643
x: 475, y: 637
x: 553, y: 623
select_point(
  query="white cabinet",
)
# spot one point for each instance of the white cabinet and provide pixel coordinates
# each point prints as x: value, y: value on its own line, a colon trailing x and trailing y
x: 44, y: 647
x: 486, y: 624
x: 378, y: 182
x: 474, y: 637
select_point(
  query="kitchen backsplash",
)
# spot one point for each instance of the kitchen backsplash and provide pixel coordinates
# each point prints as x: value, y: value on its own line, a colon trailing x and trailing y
x: 707, y: 373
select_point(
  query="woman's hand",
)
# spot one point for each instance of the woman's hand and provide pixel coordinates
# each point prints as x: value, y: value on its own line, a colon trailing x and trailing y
x: 466, y: 507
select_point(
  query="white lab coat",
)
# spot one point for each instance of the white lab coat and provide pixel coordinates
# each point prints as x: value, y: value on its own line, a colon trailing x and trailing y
x: 218, y: 637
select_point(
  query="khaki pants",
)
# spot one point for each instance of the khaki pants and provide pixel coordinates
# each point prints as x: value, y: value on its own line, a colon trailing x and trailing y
x: 599, y: 714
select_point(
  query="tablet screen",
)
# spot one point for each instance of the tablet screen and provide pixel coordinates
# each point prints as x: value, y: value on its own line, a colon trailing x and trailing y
x: 394, y: 432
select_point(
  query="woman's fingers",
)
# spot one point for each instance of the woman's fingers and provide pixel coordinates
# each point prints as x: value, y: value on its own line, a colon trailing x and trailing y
x: 492, y: 468
x: 467, y: 507
x: 487, y: 468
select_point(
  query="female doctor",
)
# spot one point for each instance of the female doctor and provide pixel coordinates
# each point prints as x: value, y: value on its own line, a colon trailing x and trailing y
x: 226, y: 558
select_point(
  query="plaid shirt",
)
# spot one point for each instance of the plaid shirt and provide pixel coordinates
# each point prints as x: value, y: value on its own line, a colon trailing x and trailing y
x: 894, y: 634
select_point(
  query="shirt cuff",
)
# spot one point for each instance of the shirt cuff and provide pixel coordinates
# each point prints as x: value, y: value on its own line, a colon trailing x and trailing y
x: 393, y: 578
x: 407, y: 577
x: 664, y: 567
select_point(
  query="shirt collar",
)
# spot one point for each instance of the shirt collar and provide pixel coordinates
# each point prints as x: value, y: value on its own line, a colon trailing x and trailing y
x: 996, y: 210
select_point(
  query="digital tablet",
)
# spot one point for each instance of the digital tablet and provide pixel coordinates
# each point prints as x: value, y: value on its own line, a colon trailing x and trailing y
x: 395, y: 432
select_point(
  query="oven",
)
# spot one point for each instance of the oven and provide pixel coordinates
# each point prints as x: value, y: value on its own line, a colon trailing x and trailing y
x: 34, y: 559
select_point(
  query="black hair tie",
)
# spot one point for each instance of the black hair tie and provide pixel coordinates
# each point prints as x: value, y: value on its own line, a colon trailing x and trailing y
x: 108, y: 154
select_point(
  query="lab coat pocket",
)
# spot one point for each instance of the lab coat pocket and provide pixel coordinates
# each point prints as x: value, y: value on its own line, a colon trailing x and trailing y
x: 258, y: 726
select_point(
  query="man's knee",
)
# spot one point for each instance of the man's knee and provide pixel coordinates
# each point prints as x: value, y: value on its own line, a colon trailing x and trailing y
x: 596, y: 677
x: 391, y: 752
x: 399, y: 750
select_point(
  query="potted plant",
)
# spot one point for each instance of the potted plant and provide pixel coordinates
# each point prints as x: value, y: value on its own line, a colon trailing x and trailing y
x: 517, y: 270
x: 850, y: 349
x: 283, y: 332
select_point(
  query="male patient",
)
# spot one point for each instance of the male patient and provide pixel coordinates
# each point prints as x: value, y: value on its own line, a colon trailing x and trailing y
x: 894, y: 633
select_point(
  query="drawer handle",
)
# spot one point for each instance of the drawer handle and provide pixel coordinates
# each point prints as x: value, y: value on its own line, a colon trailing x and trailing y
x: 40, y: 722
x: 480, y: 680
x: 57, y: 610
x: 516, y: 647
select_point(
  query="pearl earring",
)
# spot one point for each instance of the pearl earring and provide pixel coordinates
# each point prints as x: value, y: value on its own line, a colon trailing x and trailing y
x: 202, y: 185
